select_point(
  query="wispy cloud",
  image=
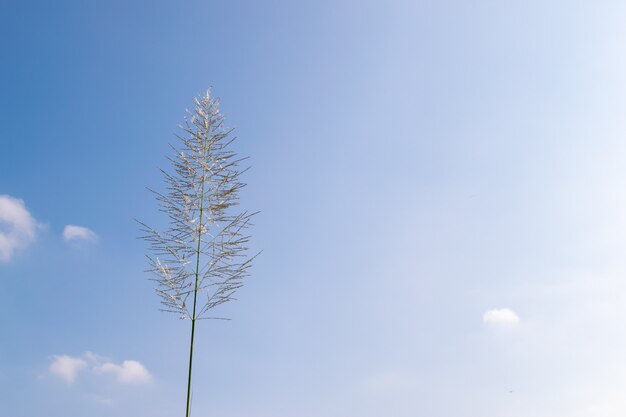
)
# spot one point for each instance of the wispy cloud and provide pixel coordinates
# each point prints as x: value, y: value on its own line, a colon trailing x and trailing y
x: 502, y: 316
x: 101, y: 400
x: 73, y: 233
x: 388, y: 382
x: 17, y: 226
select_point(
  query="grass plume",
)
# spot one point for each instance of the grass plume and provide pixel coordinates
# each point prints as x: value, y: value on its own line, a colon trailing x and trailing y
x: 201, y: 258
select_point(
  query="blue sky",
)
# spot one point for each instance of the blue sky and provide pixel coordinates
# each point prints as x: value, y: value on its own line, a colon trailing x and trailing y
x: 442, y: 191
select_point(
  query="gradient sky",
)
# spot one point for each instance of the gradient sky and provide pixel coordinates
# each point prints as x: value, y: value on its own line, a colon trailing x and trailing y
x: 420, y: 166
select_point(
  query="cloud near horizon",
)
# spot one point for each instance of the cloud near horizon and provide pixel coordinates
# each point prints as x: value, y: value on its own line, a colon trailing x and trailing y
x: 67, y: 368
x: 17, y: 226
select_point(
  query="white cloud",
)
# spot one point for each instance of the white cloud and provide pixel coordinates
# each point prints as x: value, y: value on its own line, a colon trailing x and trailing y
x: 75, y: 233
x: 502, y: 316
x: 17, y: 226
x: 129, y: 372
x: 67, y: 367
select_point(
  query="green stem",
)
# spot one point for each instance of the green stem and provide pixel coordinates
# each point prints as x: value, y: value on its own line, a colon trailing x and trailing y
x: 195, y: 296
x: 193, y: 329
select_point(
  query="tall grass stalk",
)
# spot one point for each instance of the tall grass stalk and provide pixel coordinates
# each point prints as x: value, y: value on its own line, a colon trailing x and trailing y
x: 201, y: 258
